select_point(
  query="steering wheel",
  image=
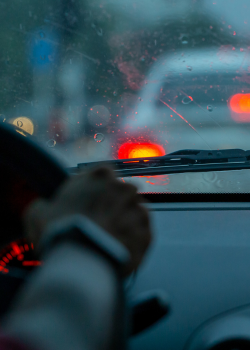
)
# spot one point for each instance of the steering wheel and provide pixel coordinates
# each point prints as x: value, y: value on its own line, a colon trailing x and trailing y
x: 26, y: 172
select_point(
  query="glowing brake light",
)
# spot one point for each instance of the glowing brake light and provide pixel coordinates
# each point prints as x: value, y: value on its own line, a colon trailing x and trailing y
x: 140, y: 150
x: 240, y: 103
x: 240, y: 108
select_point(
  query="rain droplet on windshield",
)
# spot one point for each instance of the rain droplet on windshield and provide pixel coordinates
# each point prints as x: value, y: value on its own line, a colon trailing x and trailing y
x: 51, y: 143
x: 99, y: 137
x: 19, y: 123
x: 99, y: 32
x: 98, y: 116
x: 2, y: 118
x: 184, y: 39
x: 189, y: 68
x: 209, y: 108
x: 186, y: 100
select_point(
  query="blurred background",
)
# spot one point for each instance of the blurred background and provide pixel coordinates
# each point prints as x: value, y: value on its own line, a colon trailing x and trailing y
x: 108, y: 79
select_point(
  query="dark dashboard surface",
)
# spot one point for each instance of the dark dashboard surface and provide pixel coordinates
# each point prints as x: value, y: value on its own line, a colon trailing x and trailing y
x: 201, y: 258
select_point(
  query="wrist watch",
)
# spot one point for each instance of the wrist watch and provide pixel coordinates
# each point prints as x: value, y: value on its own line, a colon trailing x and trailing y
x: 82, y: 230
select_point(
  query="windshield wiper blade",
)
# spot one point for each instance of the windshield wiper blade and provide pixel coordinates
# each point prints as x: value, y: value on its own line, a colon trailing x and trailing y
x: 189, y: 160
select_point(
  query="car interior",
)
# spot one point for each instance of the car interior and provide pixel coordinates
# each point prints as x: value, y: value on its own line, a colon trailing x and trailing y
x: 159, y: 91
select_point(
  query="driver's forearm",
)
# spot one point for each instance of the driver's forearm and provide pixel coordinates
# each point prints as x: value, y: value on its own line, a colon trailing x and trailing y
x: 70, y: 303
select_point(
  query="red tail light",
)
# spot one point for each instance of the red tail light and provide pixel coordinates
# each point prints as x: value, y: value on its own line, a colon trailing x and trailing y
x: 240, y: 108
x: 140, y: 150
x: 240, y: 103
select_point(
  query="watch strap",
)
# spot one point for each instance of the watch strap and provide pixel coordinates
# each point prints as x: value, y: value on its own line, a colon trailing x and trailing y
x: 80, y: 229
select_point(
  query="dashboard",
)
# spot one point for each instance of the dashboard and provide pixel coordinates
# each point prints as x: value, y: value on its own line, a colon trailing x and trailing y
x: 201, y: 258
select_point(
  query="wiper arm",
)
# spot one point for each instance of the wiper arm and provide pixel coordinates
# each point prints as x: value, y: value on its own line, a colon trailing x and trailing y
x: 177, y: 162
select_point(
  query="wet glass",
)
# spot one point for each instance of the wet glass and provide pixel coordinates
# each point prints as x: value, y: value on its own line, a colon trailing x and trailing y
x: 108, y: 79
x: 236, y: 181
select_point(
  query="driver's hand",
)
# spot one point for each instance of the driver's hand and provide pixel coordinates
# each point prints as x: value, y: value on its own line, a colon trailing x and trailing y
x: 110, y: 203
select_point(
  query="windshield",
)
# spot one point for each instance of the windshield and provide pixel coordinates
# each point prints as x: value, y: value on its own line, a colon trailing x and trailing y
x: 114, y: 79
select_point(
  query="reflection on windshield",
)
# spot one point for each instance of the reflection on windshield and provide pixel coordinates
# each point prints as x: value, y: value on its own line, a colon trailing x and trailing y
x: 98, y: 80
x: 204, y: 182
